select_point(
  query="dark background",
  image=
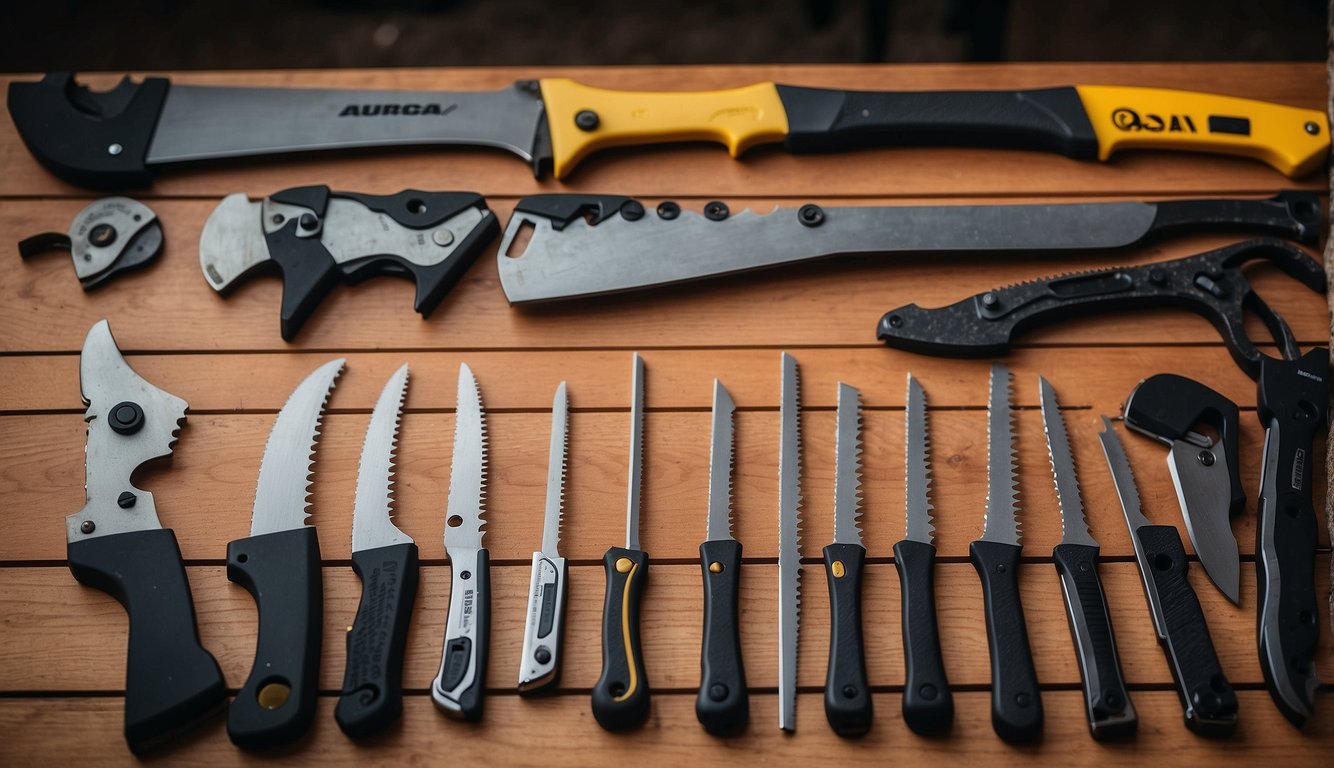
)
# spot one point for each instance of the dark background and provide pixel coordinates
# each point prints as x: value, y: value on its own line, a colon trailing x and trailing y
x: 210, y: 34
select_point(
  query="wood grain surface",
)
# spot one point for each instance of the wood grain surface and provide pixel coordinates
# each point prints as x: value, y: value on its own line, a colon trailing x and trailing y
x: 62, y: 659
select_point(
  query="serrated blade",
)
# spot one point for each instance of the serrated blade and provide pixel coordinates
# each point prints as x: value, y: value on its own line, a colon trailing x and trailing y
x: 1074, y: 526
x: 467, y: 471
x: 848, y: 467
x: 721, y: 454
x: 917, y: 480
x: 1122, y: 477
x: 560, y: 444
x: 636, y: 454
x: 282, y: 494
x: 789, y: 542
x: 1002, y: 522
x: 372, y: 510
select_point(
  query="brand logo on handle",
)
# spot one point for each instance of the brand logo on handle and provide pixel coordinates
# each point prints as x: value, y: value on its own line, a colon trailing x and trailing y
x: 1298, y: 469
x: 1130, y: 121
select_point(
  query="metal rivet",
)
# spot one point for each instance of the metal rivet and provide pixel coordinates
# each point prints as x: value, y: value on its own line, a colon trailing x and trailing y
x: 838, y: 569
x: 88, y: 526
x: 115, y: 149
x: 990, y: 300
x: 542, y: 655
x: 715, y: 567
x: 1207, y: 458
x: 716, y: 210
x: 126, y: 418
x: 102, y: 235
x: 273, y: 695
x: 465, y: 575
x: 309, y: 221
x: 668, y: 210
x: 126, y: 500
x: 624, y: 564
x: 895, y: 321
x: 442, y: 237
x: 587, y: 120
x: 810, y: 215
x: 632, y: 210
x: 1312, y: 128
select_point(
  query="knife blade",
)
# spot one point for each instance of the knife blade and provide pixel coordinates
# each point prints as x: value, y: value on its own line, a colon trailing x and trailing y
x: 117, y: 544
x: 722, y: 706
x: 847, y: 697
x: 563, y: 246
x: 385, y: 560
x: 928, y: 704
x: 539, y: 667
x: 318, y: 238
x: 458, y: 686
x: 120, y: 137
x: 1107, y: 704
x: 1208, y: 701
x: 621, y: 694
x: 789, y: 541
x: 1016, y: 702
x: 279, y: 564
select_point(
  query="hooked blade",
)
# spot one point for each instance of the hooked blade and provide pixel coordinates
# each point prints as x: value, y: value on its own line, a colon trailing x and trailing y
x: 282, y: 494
x: 917, y: 480
x: 848, y: 467
x: 1074, y: 526
x: 789, y: 542
x: 372, y: 511
x: 1002, y: 522
x: 467, y: 472
x: 636, y: 454
x: 721, y: 454
x: 560, y: 445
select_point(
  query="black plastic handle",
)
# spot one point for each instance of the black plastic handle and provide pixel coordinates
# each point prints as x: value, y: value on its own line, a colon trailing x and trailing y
x: 847, y: 695
x: 171, y: 682
x: 1050, y: 119
x: 282, y: 571
x: 1106, y: 701
x: 723, y: 706
x: 1294, y: 214
x: 1207, y: 699
x: 928, y: 705
x: 460, y: 685
x: 621, y: 695
x: 1293, y: 406
x: 1016, y: 703
x: 372, y: 696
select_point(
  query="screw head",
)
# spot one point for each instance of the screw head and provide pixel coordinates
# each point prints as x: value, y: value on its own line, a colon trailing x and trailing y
x: 442, y: 237
x: 990, y: 300
x: 1312, y: 128
x: 716, y: 210
x: 126, y: 500
x: 115, y: 149
x: 667, y: 210
x: 587, y: 120
x: 542, y: 655
x: 88, y: 526
x: 126, y: 418
x: 308, y: 221
x: 810, y: 215
x: 102, y: 235
x: 632, y: 210
x: 1207, y: 458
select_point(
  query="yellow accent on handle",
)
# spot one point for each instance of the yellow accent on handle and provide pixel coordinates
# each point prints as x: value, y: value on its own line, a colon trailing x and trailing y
x: 625, y: 630
x: 1293, y: 140
x: 739, y: 118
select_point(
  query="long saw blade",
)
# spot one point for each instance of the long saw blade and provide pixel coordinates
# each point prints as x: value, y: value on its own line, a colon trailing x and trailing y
x: 1002, y: 522
x: 917, y: 481
x: 789, y: 542
x: 636, y: 454
x: 372, y: 510
x: 282, y: 494
x: 467, y: 473
x: 560, y: 444
x: 848, y: 467
x: 1074, y: 526
x: 721, y: 453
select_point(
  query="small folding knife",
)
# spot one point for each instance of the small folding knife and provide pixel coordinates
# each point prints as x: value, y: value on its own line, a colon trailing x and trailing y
x: 317, y: 238
x: 110, y: 236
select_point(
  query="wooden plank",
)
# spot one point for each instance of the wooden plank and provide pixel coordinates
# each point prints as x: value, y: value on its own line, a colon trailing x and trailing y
x: 87, y: 731
x: 66, y: 637
x: 680, y: 170
x: 207, y: 495
x: 836, y: 302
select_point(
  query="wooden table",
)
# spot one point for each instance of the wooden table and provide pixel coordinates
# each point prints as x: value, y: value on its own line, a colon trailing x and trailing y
x: 62, y: 645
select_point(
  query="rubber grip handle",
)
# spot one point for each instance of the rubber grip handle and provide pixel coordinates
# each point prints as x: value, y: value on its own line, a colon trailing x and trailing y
x: 621, y: 694
x: 928, y: 704
x: 1207, y: 699
x: 461, y: 682
x: 171, y: 682
x: 372, y: 695
x: 282, y: 572
x: 1106, y: 701
x: 847, y: 695
x: 1016, y: 703
x: 723, y: 705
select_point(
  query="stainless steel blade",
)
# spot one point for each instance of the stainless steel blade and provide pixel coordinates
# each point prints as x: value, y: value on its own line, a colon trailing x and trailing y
x: 560, y: 443
x: 917, y: 479
x: 1074, y: 526
x: 282, y: 494
x: 721, y: 454
x: 617, y: 254
x: 848, y: 467
x: 1002, y: 521
x: 789, y: 542
x: 636, y: 454
x: 373, y: 507
x: 232, y: 242
x: 1122, y: 477
x: 1203, y: 489
x: 467, y: 471
x: 203, y: 122
x: 107, y: 384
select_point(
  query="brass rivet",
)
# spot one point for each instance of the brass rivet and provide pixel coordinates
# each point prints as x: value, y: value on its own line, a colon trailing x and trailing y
x: 715, y: 567
x: 349, y: 627
x: 273, y: 695
x: 624, y: 564
x: 838, y: 569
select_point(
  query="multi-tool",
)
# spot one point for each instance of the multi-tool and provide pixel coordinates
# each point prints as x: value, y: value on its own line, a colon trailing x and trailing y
x: 458, y: 686
x: 109, y: 237
x: 317, y: 238
x: 385, y: 559
x: 279, y: 564
x: 789, y: 541
x: 117, y: 544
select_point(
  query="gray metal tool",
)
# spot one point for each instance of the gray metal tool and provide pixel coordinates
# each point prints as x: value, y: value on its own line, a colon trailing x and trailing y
x: 789, y: 541
x: 548, y: 587
x: 107, y: 238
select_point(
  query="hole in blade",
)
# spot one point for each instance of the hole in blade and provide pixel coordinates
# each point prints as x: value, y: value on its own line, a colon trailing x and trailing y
x: 519, y: 244
x: 455, y: 521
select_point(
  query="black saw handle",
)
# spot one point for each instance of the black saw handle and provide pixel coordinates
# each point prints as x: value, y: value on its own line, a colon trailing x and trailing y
x: 1016, y: 703
x: 171, y: 682
x: 621, y: 694
x: 928, y: 704
x: 847, y: 695
x: 1211, y: 284
x: 1293, y: 407
x: 723, y: 706
x: 282, y: 571
x: 1106, y: 701
x: 372, y: 695
x: 1207, y: 700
